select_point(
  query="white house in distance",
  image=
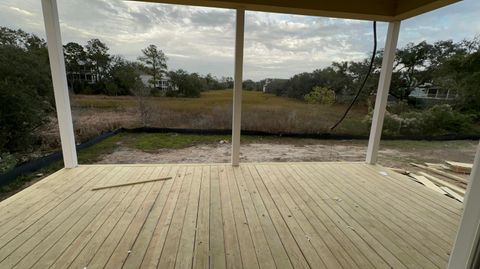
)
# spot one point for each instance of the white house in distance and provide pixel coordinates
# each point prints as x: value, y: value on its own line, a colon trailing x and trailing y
x: 428, y: 95
x: 267, y: 81
x: 83, y: 75
x: 164, y: 84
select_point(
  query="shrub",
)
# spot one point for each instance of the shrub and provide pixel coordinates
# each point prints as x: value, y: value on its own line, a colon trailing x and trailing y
x: 399, y: 107
x: 320, y: 95
x: 7, y: 162
x: 111, y: 88
x: 450, y: 120
x: 437, y: 120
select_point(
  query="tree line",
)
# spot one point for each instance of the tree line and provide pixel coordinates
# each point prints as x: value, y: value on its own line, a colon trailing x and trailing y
x: 27, y: 102
x: 446, y: 64
x: 25, y: 89
x: 92, y: 70
x: 26, y: 93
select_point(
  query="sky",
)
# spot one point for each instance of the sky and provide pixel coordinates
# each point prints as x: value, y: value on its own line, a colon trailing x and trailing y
x: 201, y: 40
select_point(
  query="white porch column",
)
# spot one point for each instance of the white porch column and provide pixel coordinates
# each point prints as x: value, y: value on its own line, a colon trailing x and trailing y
x: 59, y: 80
x: 382, y: 91
x: 237, y: 87
x: 467, y: 242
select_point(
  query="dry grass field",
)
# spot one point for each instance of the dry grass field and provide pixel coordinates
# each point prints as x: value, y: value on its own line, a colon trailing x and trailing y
x: 261, y: 112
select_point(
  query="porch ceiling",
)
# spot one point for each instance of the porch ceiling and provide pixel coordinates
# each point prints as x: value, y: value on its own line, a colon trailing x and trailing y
x: 380, y: 10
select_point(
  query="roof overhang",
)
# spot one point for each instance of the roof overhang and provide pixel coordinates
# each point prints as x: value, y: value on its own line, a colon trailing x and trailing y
x: 380, y: 10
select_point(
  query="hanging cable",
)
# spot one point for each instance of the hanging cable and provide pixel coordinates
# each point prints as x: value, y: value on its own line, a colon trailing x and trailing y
x: 366, y: 77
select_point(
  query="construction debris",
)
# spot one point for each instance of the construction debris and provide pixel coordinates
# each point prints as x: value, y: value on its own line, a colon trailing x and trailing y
x: 453, y: 194
x: 131, y: 183
x: 400, y: 171
x: 443, y: 183
x: 434, y: 183
x: 440, y: 166
x: 463, y: 168
x: 428, y: 183
x: 439, y: 172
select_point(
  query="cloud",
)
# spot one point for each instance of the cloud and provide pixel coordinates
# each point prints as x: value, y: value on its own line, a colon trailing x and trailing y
x: 202, y: 39
x: 21, y: 11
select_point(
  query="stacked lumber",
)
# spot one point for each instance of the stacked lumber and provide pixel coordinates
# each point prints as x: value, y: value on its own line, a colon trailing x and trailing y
x: 400, y: 171
x: 457, y: 167
x: 428, y: 183
x: 453, y: 194
x: 437, y: 165
x: 440, y: 172
x: 434, y: 183
x: 443, y: 183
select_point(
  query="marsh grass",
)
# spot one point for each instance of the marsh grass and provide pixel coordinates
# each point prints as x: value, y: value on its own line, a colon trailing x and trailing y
x: 213, y: 110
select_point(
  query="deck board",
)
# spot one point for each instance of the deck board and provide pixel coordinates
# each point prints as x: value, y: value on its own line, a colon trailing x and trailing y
x: 258, y: 215
x: 378, y: 226
x: 293, y: 250
x: 419, y: 224
x: 262, y: 250
x: 202, y: 237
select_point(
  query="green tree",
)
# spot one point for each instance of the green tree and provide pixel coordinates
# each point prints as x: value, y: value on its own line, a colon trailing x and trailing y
x: 249, y: 85
x: 156, y: 63
x: 226, y: 82
x: 124, y: 77
x: 213, y: 83
x: 185, y: 84
x: 26, y: 96
x: 276, y: 86
x: 410, y: 60
x: 75, y: 61
x: 98, y: 58
x: 462, y: 73
x: 299, y: 85
x: 20, y: 39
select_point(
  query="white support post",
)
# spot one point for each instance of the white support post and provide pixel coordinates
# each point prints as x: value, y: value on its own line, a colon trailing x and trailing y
x: 382, y: 91
x: 237, y: 87
x: 467, y: 243
x: 59, y: 80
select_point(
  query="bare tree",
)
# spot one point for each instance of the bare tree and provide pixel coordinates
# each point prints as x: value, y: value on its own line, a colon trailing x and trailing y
x: 145, y: 108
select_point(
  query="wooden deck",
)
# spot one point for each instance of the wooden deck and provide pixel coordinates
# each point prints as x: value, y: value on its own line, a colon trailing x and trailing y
x: 282, y: 215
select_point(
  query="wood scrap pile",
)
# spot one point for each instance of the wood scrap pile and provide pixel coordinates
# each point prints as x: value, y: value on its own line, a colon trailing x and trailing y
x: 463, y: 168
x: 453, y: 185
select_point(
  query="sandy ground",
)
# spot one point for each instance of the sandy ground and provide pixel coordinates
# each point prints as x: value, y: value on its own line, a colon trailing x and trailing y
x: 284, y: 152
x: 254, y: 152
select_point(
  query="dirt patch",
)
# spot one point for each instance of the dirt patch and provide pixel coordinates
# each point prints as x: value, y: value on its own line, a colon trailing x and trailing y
x: 393, y: 153
x: 268, y: 152
x: 253, y: 152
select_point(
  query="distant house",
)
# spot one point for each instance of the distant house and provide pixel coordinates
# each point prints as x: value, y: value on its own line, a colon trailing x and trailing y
x: 164, y: 84
x: 83, y: 75
x: 427, y: 95
x: 267, y: 81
